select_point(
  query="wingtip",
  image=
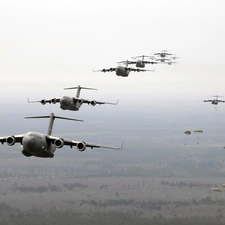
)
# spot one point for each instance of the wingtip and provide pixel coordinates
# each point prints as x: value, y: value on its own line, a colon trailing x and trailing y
x: 122, y: 145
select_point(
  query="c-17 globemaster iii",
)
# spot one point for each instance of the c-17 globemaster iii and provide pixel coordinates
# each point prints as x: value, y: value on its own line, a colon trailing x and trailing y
x: 122, y: 71
x: 44, y: 145
x: 214, y: 101
x: 72, y: 103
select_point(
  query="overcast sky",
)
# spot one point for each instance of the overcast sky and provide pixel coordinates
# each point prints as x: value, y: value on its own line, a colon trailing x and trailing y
x: 47, y: 45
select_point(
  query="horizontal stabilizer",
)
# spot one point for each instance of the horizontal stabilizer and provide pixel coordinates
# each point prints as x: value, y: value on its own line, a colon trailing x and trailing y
x: 79, y: 87
x: 53, y: 116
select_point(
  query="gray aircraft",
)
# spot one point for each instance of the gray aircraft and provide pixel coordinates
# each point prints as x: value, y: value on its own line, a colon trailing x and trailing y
x: 72, y: 103
x: 163, y: 53
x: 44, y: 145
x: 163, y: 60
x: 214, y: 101
x: 139, y: 62
x: 122, y: 71
x: 164, y: 57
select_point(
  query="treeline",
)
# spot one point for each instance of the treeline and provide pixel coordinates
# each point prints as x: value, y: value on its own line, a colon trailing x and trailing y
x: 50, y: 187
x: 153, y: 205
x: 37, y: 216
x: 183, y: 184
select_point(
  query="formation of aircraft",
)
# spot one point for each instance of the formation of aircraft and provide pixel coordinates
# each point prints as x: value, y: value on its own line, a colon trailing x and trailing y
x: 44, y: 145
x: 73, y: 103
x: 124, y: 71
x: 164, y: 57
x: 139, y: 62
x: 215, y: 100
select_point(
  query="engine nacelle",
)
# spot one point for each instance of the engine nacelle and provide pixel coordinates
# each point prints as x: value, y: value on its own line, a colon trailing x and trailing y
x: 43, y: 101
x: 111, y: 69
x: 80, y: 101
x: 53, y: 101
x: 59, y: 143
x: 81, y: 146
x: 10, y: 140
x: 138, y: 70
x: 93, y: 102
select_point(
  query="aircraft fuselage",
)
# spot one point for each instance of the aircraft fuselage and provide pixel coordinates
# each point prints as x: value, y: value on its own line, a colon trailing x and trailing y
x: 36, y: 144
x: 140, y: 64
x: 214, y: 102
x: 122, y: 71
x: 70, y: 103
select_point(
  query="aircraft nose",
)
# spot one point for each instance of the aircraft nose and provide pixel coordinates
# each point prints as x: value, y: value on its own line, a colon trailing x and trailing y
x: 29, y: 144
x: 64, y: 102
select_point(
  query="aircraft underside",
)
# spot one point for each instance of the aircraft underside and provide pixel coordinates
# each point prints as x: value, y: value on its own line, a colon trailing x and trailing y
x: 66, y: 103
x: 46, y: 154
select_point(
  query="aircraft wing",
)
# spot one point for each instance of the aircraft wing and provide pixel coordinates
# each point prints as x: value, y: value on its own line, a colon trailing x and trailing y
x: 150, y: 62
x: 207, y: 100
x: 105, y: 70
x: 94, y: 102
x: 128, y: 62
x: 12, y: 139
x: 220, y: 101
x: 139, y: 70
x: 44, y: 101
x: 81, y: 145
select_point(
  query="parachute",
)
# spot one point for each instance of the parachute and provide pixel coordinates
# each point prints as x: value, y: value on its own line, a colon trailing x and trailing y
x: 187, y: 132
x: 198, y: 131
x: 223, y: 185
x: 216, y: 189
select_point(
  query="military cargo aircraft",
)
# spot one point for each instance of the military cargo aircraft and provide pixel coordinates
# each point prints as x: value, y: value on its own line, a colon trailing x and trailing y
x: 72, y: 103
x: 214, y: 101
x: 44, y: 145
x: 122, y: 71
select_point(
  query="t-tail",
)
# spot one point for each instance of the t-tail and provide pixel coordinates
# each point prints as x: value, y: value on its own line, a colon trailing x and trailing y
x: 51, y: 120
x: 79, y: 89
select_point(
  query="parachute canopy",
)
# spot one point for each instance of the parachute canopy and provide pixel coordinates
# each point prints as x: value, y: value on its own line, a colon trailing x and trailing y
x: 223, y: 185
x: 198, y: 131
x: 187, y: 132
x: 216, y: 189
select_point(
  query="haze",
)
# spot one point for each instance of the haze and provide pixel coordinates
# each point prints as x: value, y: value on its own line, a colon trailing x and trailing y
x: 48, y: 45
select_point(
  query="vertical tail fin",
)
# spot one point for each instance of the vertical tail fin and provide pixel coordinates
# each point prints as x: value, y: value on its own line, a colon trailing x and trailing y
x: 79, y: 89
x: 51, y: 120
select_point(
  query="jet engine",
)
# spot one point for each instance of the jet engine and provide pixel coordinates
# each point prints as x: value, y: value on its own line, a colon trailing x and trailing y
x: 80, y: 101
x: 93, y: 102
x: 10, y: 140
x: 58, y: 143
x: 43, y: 101
x: 81, y: 146
x: 138, y: 70
x: 53, y: 101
